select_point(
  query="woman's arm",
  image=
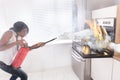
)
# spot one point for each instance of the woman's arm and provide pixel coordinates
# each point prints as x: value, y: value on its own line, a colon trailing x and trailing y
x: 4, y: 41
x: 37, y: 45
x: 40, y: 44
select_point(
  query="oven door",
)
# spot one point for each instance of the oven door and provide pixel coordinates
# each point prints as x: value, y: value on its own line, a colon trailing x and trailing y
x: 78, y: 65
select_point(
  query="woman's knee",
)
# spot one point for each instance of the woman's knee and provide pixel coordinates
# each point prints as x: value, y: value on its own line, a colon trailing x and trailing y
x: 24, y: 76
x: 2, y: 65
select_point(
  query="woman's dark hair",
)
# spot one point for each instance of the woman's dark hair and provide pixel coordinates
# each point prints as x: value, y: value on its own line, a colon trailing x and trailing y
x: 19, y: 26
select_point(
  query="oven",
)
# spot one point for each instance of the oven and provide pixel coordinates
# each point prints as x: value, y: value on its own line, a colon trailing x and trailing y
x: 109, y: 24
x: 81, y: 66
x: 78, y: 64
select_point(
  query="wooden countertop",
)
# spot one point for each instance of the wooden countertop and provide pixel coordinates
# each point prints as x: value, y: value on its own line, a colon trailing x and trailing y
x: 117, y: 56
x: 117, y: 33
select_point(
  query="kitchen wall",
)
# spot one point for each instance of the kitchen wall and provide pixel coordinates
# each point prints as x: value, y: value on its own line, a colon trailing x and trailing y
x: 43, y: 18
x: 12, y: 11
x: 2, y: 18
x: 79, y: 12
x: 46, y: 19
x: 93, y: 5
x: 83, y: 10
x: 117, y: 1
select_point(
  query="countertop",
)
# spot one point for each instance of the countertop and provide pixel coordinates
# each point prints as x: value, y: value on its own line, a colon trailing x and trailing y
x: 117, y: 56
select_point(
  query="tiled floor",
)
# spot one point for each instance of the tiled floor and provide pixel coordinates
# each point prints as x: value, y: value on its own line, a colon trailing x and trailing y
x: 64, y: 73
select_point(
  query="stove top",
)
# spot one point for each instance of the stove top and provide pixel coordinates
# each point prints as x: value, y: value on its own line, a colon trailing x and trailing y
x: 104, y: 53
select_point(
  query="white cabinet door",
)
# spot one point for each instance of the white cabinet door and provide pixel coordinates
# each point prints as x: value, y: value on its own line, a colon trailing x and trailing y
x: 116, y: 70
x: 101, y: 68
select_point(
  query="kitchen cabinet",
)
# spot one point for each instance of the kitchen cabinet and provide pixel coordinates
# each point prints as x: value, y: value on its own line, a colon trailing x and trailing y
x: 53, y: 55
x: 101, y: 68
x: 116, y: 70
x: 107, y: 68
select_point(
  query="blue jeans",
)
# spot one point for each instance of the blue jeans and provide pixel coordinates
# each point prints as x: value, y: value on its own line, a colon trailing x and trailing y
x: 16, y: 72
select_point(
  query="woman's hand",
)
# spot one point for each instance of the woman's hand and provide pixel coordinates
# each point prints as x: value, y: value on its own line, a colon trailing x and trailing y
x: 22, y: 43
x: 40, y: 44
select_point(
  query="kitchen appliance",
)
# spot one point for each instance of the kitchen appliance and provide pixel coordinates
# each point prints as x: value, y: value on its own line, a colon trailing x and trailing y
x: 81, y: 62
x: 80, y: 65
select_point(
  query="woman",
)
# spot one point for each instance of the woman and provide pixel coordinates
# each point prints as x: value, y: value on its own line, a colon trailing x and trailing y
x: 10, y: 43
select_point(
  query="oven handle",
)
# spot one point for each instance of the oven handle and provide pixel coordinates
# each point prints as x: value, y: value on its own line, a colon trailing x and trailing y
x: 77, y: 57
